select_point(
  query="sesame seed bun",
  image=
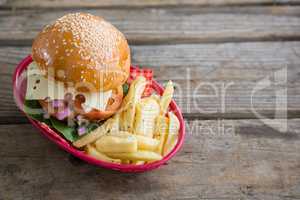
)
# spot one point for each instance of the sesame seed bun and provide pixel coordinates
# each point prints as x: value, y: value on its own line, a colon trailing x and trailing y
x: 85, y: 50
x: 82, y: 48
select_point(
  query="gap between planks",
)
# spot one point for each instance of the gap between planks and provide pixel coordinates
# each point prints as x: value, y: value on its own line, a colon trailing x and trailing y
x: 172, y: 41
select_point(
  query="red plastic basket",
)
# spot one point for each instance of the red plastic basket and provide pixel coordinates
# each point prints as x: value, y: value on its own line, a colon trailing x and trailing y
x: 19, y: 92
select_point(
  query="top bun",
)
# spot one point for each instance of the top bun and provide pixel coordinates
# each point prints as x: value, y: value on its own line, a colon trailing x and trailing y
x: 86, y: 49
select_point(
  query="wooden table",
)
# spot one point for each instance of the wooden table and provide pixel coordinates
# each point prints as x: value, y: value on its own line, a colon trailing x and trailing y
x: 236, y: 65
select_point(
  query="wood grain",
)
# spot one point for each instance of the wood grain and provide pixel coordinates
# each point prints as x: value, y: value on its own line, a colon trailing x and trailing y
x: 225, y: 159
x: 173, y: 25
x: 212, y: 80
x: 217, y: 52
x: 134, y: 3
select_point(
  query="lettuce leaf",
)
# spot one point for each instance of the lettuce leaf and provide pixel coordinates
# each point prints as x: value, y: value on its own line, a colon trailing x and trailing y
x: 34, y: 110
x: 125, y: 88
x: 69, y: 132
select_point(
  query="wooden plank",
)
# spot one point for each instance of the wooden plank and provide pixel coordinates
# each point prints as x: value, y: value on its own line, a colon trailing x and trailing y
x: 212, y: 80
x: 134, y: 3
x: 231, y: 159
x: 173, y: 25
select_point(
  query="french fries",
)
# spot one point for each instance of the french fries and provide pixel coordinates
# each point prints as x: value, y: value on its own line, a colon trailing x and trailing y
x: 143, y: 131
x: 166, y: 98
x: 161, y: 132
x: 162, y: 122
x: 146, y: 112
x: 136, y: 90
x: 90, y: 150
x: 173, y: 133
x: 137, y: 156
x: 95, y: 134
x: 117, y: 144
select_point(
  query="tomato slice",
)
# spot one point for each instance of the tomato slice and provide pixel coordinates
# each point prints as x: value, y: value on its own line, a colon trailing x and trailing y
x: 113, y: 105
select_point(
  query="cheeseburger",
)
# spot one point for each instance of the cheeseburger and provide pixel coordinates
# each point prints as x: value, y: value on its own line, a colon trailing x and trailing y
x: 80, y: 64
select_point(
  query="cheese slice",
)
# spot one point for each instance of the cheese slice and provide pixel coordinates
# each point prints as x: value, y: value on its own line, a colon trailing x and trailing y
x: 40, y: 87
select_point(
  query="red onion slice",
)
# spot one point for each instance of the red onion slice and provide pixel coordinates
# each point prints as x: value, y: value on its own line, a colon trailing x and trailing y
x: 81, y: 130
x: 61, y: 115
x: 57, y: 103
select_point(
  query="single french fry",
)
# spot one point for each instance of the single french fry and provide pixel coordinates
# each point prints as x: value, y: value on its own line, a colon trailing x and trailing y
x: 143, y: 142
x: 116, y: 125
x: 120, y: 133
x: 117, y: 144
x: 125, y: 161
x: 137, y: 156
x: 90, y: 150
x: 135, y: 92
x: 161, y: 130
x: 166, y: 98
x: 138, y: 162
x: 146, y: 112
x: 146, y: 143
x: 155, y: 97
x: 95, y: 134
x: 172, y: 138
